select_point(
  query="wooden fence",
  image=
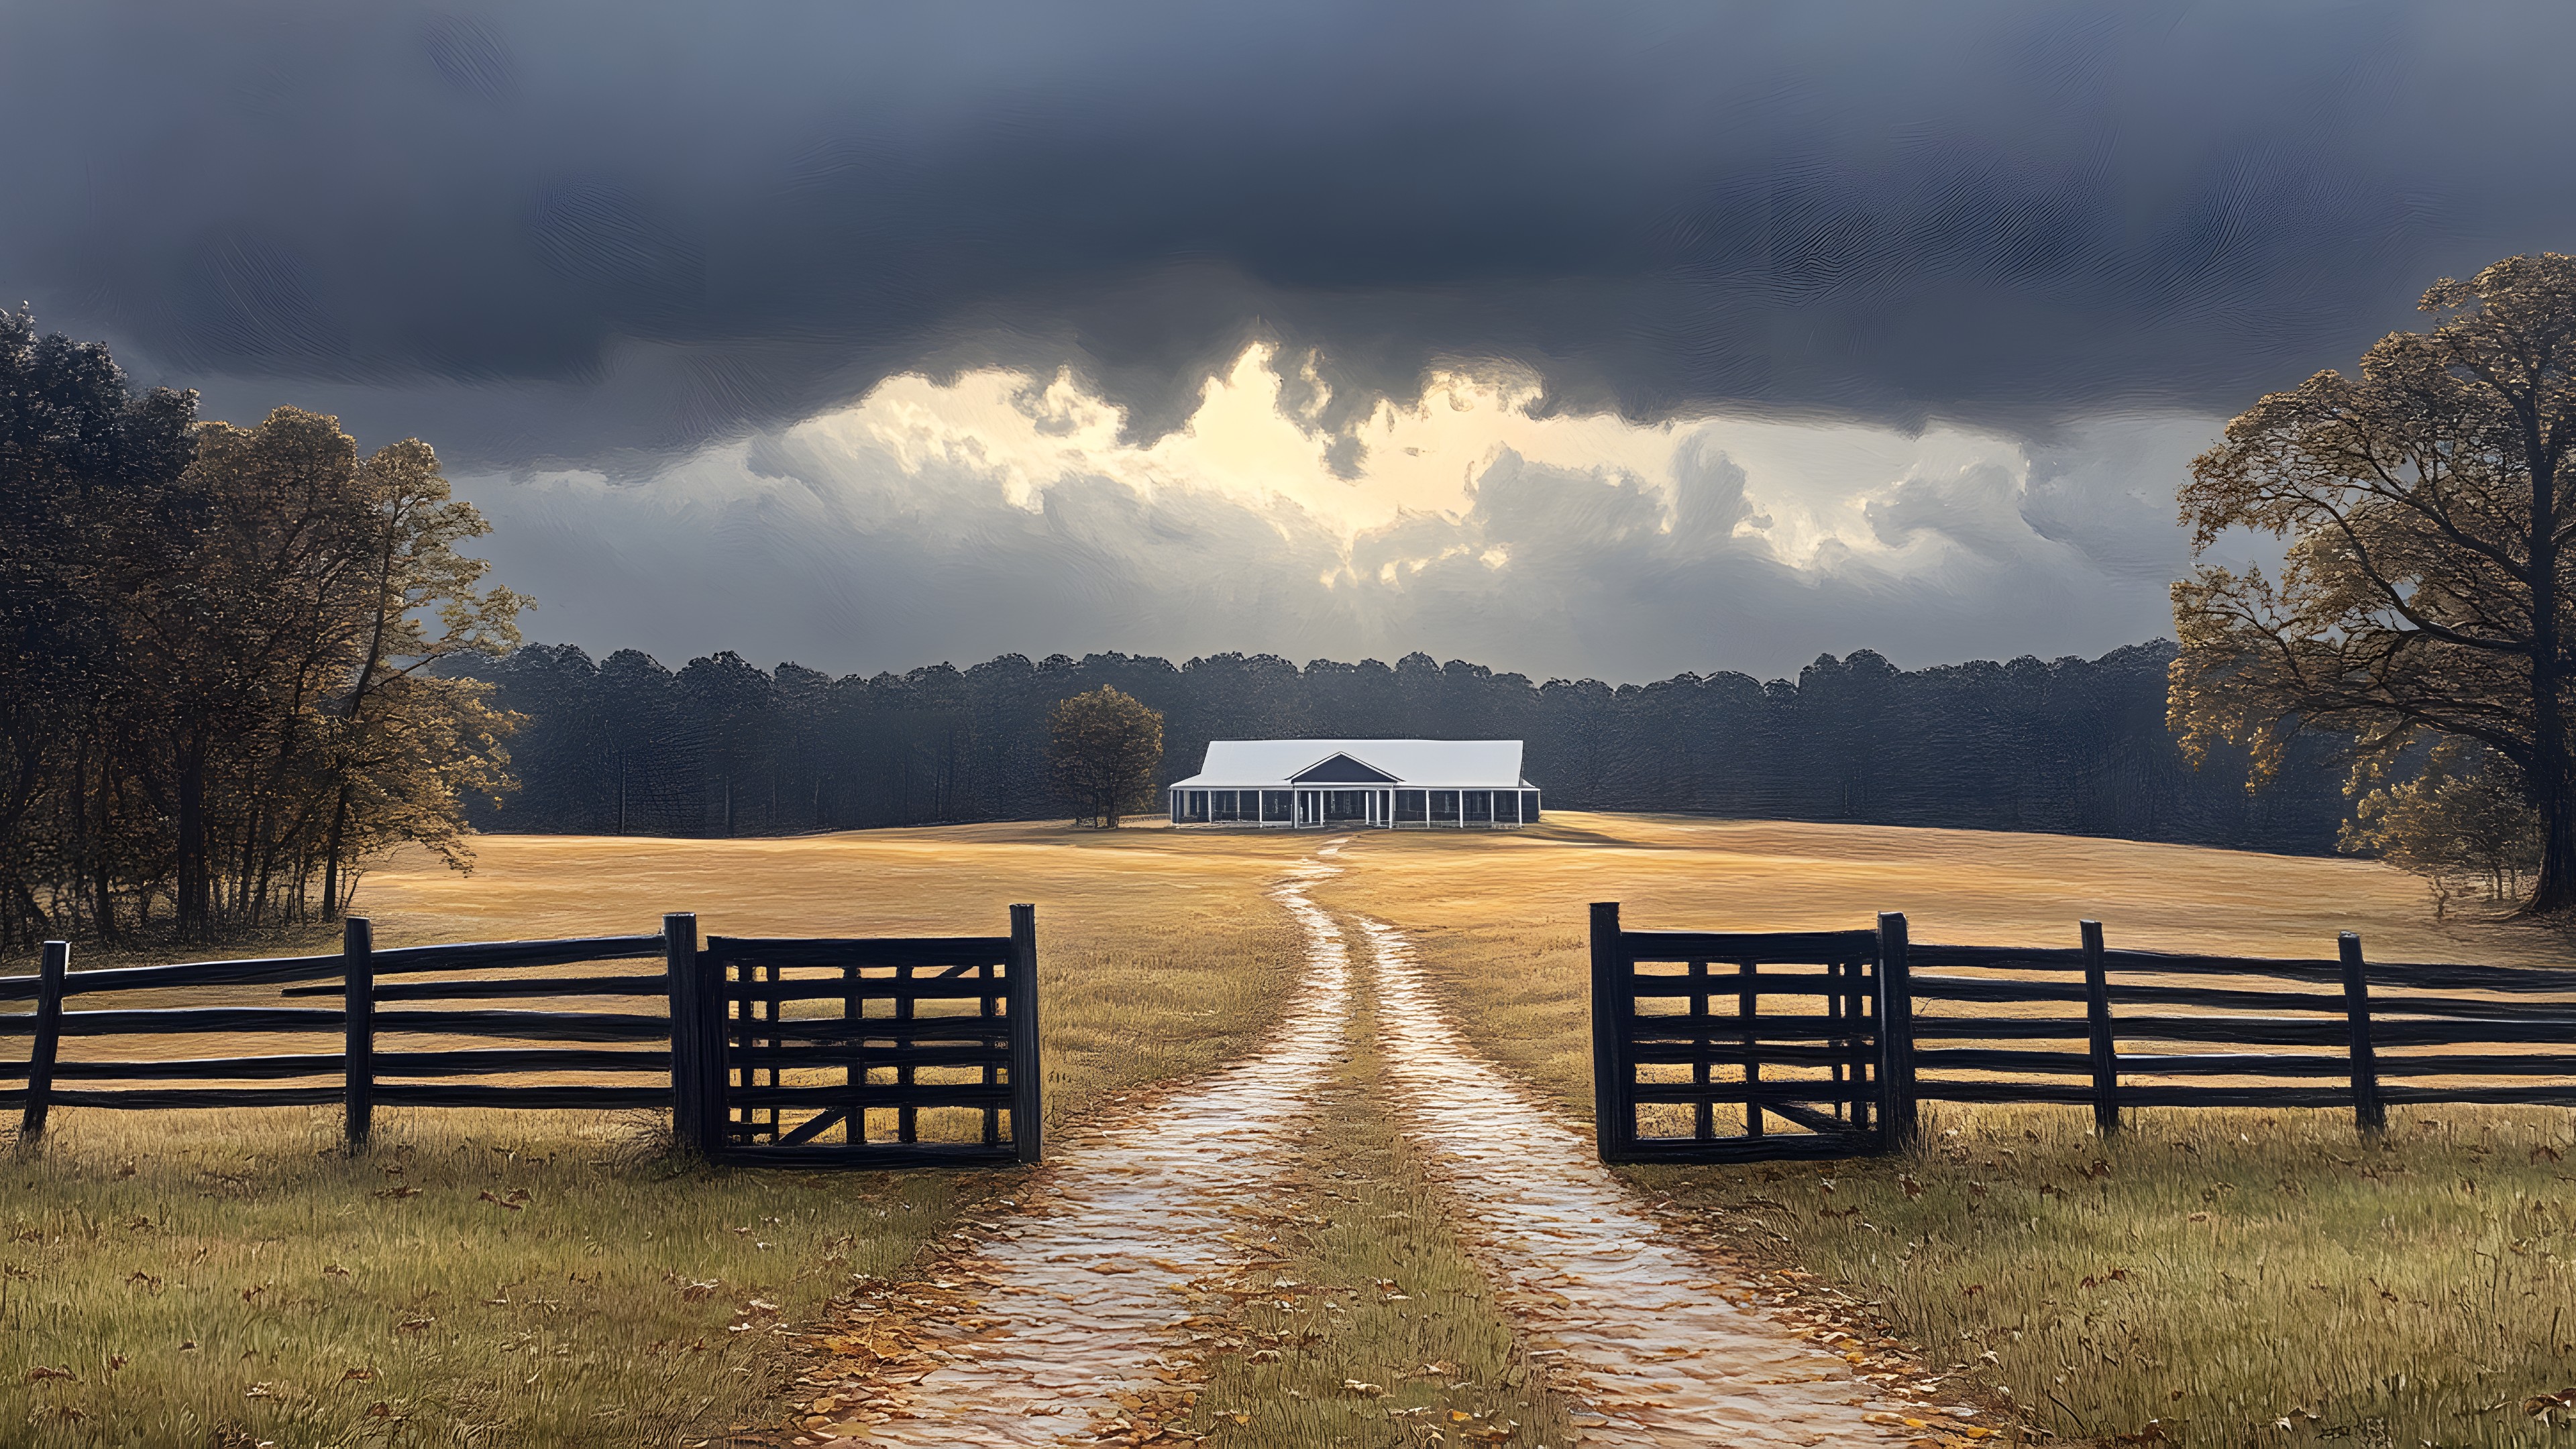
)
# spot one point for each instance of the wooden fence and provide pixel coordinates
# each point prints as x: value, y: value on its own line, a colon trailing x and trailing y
x: 614, y: 1050
x: 2086, y: 1026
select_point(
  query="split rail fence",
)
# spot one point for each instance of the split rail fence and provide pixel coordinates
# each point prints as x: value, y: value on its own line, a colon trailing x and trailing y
x: 899, y: 1052
x: 1711, y: 1046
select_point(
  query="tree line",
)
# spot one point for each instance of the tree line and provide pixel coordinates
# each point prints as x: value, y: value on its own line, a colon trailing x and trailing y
x: 720, y: 747
x: 214, y: 700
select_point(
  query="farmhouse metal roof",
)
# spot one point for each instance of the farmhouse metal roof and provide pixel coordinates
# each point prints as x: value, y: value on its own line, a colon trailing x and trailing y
x: 1441, y: 764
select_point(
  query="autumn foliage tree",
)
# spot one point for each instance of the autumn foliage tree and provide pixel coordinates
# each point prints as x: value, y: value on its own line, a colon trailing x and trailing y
x: 2426, y: 592
x: 2458, y: 818
x: 1106, y: 749
x: 216, y: 689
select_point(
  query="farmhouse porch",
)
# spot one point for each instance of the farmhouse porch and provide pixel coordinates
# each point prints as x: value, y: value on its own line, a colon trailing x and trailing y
x: 1367, y: 784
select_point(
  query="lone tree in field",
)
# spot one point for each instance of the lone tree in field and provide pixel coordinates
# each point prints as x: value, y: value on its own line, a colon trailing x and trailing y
x: 1106, y: 748
x: 2427, y: 589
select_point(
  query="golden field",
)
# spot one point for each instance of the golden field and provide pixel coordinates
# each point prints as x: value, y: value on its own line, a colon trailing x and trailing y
x: 2208, y: 1277
x: 232, y: 1278
x: 541, y: 1278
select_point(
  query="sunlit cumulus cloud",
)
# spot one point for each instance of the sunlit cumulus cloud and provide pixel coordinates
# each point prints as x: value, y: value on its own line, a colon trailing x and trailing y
x: 1001, y: 512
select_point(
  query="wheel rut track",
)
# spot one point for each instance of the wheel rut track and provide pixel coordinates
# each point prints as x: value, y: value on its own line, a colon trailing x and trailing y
x: 1635, y: 1327
x: 1081, y: 1304
x: 1083, y: 1298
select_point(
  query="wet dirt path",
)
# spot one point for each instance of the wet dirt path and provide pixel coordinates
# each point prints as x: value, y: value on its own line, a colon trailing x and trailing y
x: 1082, y: 1302
x: 1078, y: 1309
x: 1635, y: 1328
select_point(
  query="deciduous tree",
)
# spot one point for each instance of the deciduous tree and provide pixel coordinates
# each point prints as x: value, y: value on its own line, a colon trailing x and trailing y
x: 214, y: 651
x: 2426, y: 589
x: 1106, y: 749
x: 2460, y: 821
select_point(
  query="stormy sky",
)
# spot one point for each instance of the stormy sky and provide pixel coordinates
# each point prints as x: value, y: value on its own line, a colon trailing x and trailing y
x: 1573, y: 339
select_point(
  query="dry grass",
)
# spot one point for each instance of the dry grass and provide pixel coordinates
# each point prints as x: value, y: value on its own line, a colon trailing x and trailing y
x: 2212, y: 1273
x: 1376, y: 1291
x: 135, y: 1233
x: 2423, y: 1291
x: 481, y: 1277
x: 2443, y: 1259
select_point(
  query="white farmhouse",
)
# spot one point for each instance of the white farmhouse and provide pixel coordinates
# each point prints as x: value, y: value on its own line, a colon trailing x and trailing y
x: 1380, y: 784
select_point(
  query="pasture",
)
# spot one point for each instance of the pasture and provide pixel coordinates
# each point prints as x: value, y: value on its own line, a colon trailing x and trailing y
x: 538, y: 1278
x: 545, y: 1278
x: 2208, y: 1276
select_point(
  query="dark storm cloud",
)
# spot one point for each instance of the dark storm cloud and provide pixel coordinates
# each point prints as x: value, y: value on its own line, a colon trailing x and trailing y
x: 573, y: 231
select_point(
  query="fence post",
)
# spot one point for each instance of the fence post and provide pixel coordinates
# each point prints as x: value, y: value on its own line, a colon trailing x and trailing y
x: 2097, y: 1020
x: 49, y: 1033
x: 707, y: 1039
x: 1895, y: 1032
x: 2369, y: 1114
x: 680, y: 979
x: 1613, y: 1123
x: 358, y: 1030
x: 1028, y: 1128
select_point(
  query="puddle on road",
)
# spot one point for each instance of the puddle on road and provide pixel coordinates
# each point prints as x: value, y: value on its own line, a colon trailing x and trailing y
x: 1631, y: 1325
x: 1084, y: 1305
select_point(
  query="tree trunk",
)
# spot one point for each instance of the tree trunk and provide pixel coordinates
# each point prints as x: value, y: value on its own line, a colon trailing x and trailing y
x: 193, y: 903
x: 2555, y: 890
x: 331, y: 854
x: 80, y: 853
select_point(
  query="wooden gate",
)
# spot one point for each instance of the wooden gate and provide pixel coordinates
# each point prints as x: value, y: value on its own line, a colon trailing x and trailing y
x: 886, y: 1052
x: 1714, y: 1047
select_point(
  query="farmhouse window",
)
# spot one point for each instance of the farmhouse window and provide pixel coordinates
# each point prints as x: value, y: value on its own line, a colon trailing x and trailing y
x: 1444, y: 805
x: 1529, y: 807
x: 1412, y: 805
x: 1480, y: 805
x: 1276, y: 805
x: 1198, y: 805
x: 1224, y: 807
x: 1507, y: 807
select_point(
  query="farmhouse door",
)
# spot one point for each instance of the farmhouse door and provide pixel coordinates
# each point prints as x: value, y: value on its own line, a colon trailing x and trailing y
x: 1713, y: 1047
x: 884, y: 1052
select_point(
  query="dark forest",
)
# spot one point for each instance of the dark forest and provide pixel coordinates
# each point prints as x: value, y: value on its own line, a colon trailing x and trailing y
x: 625, y: 745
